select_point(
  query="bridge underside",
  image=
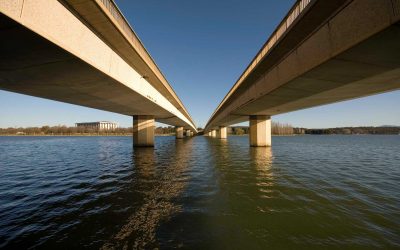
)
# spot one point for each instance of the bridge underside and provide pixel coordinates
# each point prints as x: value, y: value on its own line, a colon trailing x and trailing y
x: 370, y: 67
x: 33, y: 65
x: 322, y: 52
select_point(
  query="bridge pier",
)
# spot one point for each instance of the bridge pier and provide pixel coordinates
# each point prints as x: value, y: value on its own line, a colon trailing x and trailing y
x: 222, y: 132
x: 179, y: 132
x: 213, y: 133
x: 260, y: 131
x: 143, y: 131
x: 188, y: 133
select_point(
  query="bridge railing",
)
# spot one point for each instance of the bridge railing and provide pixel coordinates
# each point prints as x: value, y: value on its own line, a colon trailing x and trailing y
x: 290, y: 18
x: 280, y: 30
x: 127, y: 29
x: 129, y: 33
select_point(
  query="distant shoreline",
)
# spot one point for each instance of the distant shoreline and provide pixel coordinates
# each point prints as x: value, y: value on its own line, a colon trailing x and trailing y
x: 277, y: 130
x: 59, y: 135
x: 77, y: 135
x: 162, y: 135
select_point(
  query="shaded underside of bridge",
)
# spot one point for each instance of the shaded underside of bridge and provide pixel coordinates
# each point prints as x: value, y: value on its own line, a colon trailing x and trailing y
x: 83, y: 56
x: 329, y: 51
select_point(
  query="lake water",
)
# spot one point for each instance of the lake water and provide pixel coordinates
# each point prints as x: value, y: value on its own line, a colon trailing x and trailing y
x: 306, y: 192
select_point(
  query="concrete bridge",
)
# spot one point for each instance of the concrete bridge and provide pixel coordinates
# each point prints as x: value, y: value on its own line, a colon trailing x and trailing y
x: 322, y: 52
x: 84, y: 52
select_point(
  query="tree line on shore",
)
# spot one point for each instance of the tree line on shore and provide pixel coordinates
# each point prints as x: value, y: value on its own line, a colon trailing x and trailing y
x: 277, y: 129
x: 64, y: 130
x: 388, y: 130
x: 285, y: 129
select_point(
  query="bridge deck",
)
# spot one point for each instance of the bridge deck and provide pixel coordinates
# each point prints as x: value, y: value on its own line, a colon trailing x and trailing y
x: 332, y: 52
x: 47, y: 51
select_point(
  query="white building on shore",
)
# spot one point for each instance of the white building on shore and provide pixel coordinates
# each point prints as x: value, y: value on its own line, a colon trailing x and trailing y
x: 103, y: 125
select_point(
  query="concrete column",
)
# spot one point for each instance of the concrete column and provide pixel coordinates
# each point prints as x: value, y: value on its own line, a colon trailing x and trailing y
x: 188, y: 133
x: 213, y: 133
x: 260, y: 131
x: 191, y: 133
x: 222, y: 132
x: 179, y: 132
x: 143, y: 131
x: 209, y: 133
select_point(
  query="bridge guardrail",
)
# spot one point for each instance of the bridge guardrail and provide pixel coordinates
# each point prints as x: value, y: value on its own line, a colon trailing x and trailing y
x: 290, y: 18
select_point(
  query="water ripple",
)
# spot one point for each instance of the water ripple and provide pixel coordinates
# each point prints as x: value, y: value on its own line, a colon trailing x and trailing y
x: 98, y: 192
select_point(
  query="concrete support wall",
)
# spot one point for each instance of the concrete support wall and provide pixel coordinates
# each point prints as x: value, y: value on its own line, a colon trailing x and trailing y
x: 179, y: 132
x: 222, y: 134
x: 188, y: 133
x: 260, y: 131
x: 143, y: 131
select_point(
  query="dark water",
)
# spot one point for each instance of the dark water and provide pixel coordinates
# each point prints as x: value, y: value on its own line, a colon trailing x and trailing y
x: 97, y: 192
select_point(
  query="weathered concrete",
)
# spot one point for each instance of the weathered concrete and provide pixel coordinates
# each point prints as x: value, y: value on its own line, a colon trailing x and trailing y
x: 213, y: 133
x: 188, y: 133
x: 260, y: 131
x: 143, y: 131
x: 332, y: 51
x: 222, y: 133
x: 53, y: 50
x: 179, y: 132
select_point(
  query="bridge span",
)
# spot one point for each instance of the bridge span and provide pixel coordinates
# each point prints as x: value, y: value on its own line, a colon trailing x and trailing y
x: 84, y: 52
x: 322, y: 52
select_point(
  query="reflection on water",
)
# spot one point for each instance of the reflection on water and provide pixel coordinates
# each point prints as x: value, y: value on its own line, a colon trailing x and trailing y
x: 306, y: 192
x: 160, y: 186
x: 262, y: 157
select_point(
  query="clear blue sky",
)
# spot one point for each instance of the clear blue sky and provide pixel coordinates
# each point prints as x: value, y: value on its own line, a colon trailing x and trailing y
x: 202, y: 47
